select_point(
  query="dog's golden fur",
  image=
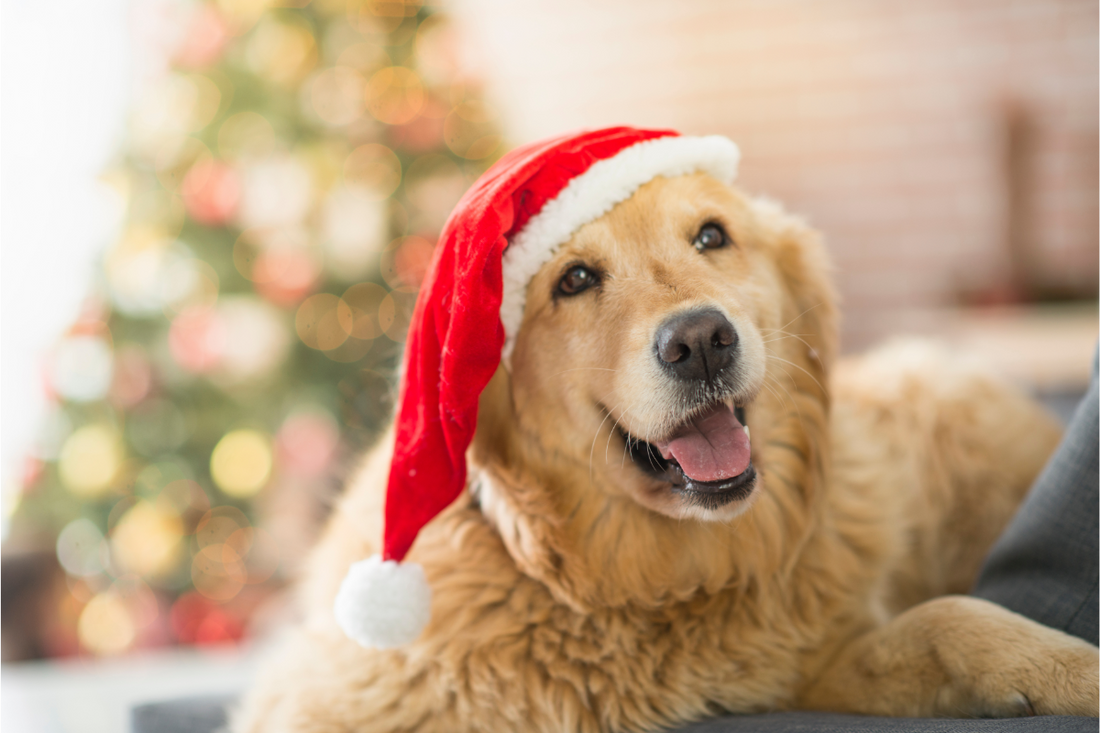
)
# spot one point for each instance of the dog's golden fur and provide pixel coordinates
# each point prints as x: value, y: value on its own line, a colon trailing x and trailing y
x: 573, y: 592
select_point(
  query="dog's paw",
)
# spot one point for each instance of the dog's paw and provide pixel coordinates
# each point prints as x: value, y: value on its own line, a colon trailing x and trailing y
x: 1073, y: 687
x: 1063, y: 678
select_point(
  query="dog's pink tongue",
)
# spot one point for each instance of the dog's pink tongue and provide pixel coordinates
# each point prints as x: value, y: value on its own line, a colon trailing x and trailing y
x: 711, y: 447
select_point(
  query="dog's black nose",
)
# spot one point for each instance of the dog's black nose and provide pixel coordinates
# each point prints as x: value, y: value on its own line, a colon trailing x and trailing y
x: 696, y: 344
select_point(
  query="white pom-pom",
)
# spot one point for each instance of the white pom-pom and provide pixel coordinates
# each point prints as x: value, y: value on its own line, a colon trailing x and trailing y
x: 383, y: 604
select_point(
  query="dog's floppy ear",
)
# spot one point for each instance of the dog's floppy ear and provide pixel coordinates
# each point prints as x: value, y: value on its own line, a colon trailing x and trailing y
x: 522, y: 512
x: 515, y: 499
x: 806, y: 272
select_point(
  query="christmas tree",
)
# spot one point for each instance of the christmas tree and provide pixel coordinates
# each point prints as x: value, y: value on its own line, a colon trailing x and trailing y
x: 285, y: 182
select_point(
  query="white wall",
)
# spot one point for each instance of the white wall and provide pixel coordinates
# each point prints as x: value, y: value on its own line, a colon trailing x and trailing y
x: 64, y: 84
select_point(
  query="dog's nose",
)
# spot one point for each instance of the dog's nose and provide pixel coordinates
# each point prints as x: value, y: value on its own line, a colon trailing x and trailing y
x: 696, y: 344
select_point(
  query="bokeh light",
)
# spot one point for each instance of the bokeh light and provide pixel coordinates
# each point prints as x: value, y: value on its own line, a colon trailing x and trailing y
x: 277, y: 191
x: 146, y: 540
x: 354, y: 223
x: 282, y: 50
x: 307, y: 443
x: 196, y: 619
x: 335, y: 95
x: 147, y: 272
x: 241, y: 462
x: 211, y: 192
x: 394, y: 313
x: 133, y: 376
x: 284, y: 178
x: 324, y: 322
x: 185, y: 499
x: 281, y: 263
x: 218, y: 572
x: 405, y: 262
x: 217, y: 524
x: 364, y: 300
x: 470, y: 131
x: 80, y: 548
x: 434, y: 184
x: 395, y: 95
x: 81, y: 368
x: 230, y: 554
x: 374, y: 167
x: 179, y: 105
x: 189, y: 284
x: 105, y: 625
x: 90, y: 460
x: 437, y: 50
x: 256, y: 339
x: 205, y: 38
x: 174, y: 162
x: 197, y: 340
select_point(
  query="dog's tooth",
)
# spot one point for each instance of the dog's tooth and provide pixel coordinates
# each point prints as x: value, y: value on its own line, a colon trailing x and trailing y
x: 746, y: 429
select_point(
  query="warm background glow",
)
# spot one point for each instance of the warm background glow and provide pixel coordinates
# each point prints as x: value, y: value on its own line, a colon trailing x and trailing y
x: 209, y: 366
x: 211, y: 254
x: 948, y: 150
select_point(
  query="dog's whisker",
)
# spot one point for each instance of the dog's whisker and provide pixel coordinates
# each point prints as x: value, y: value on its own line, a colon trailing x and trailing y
x: 778, y: 397
x: 779, y: 383
x: 794, y: 401
x: 772, y: 355
x: 592, y: 450
x: 610, y: 434
x: 784, y: 326
x: 787, y: 335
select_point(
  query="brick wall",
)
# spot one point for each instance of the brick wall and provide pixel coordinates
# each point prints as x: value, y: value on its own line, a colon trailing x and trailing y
x: 947, y: 149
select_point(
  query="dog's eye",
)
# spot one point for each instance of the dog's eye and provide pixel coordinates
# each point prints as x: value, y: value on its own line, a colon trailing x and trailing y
x: 577, y: 279
x: 710, y: 236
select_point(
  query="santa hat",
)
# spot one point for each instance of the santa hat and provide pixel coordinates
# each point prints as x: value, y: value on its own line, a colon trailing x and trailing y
x: 507, y: 226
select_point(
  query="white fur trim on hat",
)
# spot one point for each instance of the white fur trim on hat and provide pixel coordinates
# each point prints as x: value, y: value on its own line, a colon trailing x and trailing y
x: 383, y: 604
x: 594, y: 193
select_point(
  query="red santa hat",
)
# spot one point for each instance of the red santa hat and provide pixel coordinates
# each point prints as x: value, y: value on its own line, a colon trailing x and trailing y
x: 506, y: 227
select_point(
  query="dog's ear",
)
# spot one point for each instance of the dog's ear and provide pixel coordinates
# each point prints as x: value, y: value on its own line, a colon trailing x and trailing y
x: 521, y: 510
x: 806, y: 271
x: 515, y: 498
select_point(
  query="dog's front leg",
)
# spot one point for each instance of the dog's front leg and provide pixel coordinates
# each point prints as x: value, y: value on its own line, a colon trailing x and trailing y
x: 959, y: 657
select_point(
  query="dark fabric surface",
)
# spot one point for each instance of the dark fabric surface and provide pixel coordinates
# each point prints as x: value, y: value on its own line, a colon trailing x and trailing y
x: 1045, y: 566
x: 208, y: 715
x: 803, y: 722
x: 189, y: 715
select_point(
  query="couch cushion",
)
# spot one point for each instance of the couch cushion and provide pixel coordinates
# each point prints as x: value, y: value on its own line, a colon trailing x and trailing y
x: 209, y: 714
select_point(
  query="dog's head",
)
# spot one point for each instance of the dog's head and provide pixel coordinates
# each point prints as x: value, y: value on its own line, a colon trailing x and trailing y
x: 658, y: 429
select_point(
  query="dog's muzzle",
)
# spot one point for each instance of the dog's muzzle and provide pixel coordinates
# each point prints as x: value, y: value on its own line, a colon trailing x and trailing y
x: 696, y: 345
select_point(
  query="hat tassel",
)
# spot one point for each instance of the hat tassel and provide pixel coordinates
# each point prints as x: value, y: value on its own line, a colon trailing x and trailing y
x: 383, y: 603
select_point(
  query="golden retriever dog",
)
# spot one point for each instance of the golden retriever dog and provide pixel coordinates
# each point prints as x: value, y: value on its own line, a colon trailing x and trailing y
x: 593, y: 577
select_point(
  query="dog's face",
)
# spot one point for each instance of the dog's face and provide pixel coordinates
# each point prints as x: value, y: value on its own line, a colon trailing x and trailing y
x: 659, y: 357
x: 644, y: 336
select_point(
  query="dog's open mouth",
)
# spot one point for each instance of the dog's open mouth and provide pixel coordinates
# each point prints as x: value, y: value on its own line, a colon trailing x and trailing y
x: 707, y: 459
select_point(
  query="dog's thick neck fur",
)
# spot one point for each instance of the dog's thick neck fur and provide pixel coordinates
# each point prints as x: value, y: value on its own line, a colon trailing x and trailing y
x: 566, y: 524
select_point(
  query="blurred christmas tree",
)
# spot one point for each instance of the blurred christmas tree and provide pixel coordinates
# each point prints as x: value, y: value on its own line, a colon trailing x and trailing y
x: 285, y: 181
